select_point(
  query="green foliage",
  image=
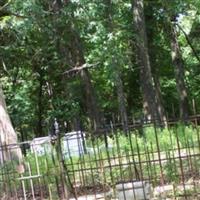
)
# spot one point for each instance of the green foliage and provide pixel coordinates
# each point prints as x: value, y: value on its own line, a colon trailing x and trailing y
x: 39, y: 42
x: 34, y: 50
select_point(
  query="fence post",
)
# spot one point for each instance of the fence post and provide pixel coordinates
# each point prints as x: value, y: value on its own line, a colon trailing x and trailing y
x: 64, y: 192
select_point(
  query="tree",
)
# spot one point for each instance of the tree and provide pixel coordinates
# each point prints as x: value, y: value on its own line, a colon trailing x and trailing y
x: 93, y: 42
x: 154, y: 33
x: 116, y: 68
x: 76, y: 53
x: 8, y: 137
x: 90, y: 97
x: 172, y: 11
x: 146, y: 80
x: 179, y: 74
x: 10, y: 150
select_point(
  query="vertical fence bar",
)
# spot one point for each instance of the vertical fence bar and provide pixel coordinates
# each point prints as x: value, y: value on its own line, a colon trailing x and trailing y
x: 23, y: 187
x: 38, y: 172
x: 64, y: 193
x: 180, y: 162
x: 159, y: 155
x: 31, y: 181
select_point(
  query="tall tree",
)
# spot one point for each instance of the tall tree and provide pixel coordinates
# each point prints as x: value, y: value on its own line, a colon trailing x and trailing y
x: 75, y: 52
x: 179, y: 73
x: 151, y: 110
x: 10, y: 150
x: 172, y: 10
x: 153, y: 34
x: 116, y: 68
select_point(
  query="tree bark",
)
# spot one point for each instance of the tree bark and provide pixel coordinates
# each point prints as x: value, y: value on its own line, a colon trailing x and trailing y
x: 179, y: 74
x: 91, y: 102
x: 121, y: 102
x: 154, y: 59
x: 39, y: 128
x: 10, y: 150
x: 159, y: 101
x: 149, y: 95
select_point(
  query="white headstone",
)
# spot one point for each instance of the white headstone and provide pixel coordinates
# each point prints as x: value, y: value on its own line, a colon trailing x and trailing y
x: 72, y: 144
x: 41, y: 145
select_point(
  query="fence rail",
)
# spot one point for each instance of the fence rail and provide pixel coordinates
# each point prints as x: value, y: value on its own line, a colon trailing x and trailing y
x: 155, y: 163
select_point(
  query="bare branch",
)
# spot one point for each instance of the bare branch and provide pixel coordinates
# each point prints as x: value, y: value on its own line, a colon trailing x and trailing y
x: 5, y: 5
x: 77, y: 69
x: 189, y: 42
x: 5, y: 68
x: 4, y: 12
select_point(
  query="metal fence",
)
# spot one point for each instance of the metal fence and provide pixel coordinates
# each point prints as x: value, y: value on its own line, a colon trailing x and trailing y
x: 146, y: 163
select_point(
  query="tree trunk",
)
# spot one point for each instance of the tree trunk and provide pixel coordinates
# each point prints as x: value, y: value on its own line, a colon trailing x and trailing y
x: 39, y: 127
x: 179, y: 75
x: 116, y: 71
x: 149, y: 95
x: 121, y: 102
x: 91, y: 102
x: 154, y: 59
x: 8, y: 135
x: 159, y: 101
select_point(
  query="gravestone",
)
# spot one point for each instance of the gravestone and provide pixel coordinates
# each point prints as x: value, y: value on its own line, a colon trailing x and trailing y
x: 41, y: 145
x: 72, y: 144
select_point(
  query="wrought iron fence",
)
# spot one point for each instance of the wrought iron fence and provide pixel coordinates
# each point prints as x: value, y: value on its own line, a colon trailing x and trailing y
x: 146, y: 163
